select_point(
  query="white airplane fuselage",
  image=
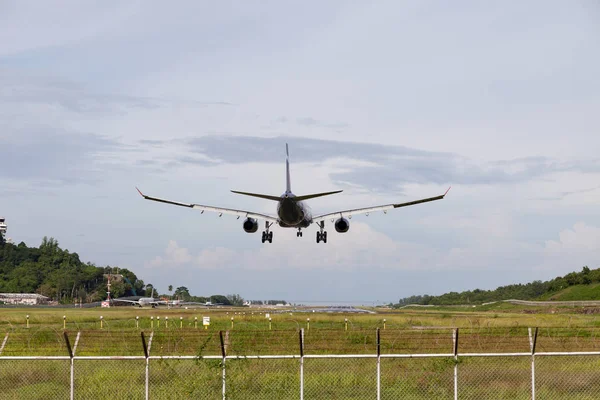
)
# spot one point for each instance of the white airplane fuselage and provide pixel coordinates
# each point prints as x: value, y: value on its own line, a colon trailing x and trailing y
x: 146, y: 301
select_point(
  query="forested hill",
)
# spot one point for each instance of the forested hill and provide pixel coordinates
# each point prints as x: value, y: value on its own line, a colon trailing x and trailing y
x: 530, y: 291
x: 59, y: 274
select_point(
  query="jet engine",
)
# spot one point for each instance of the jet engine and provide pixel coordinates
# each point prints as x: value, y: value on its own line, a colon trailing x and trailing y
x: 250, y: 225
x: 342, y: 225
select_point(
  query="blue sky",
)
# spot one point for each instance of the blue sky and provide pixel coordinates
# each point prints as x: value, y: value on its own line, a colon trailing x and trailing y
x: 389, y: 101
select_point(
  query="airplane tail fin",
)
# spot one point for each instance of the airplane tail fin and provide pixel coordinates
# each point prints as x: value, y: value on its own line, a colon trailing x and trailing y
x: 288, y: 183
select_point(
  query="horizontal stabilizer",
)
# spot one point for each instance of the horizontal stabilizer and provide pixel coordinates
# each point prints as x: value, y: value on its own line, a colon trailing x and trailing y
x: 312, y: 196
x: 262, y: 196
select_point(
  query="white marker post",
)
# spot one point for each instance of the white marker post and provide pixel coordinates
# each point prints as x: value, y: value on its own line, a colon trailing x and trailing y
x: 27, y: 317
x: 101, y: 322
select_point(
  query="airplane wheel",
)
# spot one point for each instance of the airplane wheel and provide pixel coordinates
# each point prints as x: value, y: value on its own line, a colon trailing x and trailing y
x: 318, y: 237
x: 270, y: 237
x: 324, y: 237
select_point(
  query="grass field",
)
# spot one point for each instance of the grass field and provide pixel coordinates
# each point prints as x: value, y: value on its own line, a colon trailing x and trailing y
x: 499, y: 329
x: 180, y: 331
x: 575, y: 292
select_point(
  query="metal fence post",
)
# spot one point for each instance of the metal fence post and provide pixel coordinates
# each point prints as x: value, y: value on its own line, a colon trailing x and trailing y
x: 4, y: 342
x: 147, y: 370
x: 224, y: 358
x: 378, y: 365
x: 76, y: 342
x: 147, y: 355
x: 532, y: 343
x: 455, y: 342
x: 301, y: 337
x: 72, y: 390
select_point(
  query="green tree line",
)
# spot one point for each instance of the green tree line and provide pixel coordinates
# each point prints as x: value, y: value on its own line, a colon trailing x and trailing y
x: 60, y: 274
x: 63, y: 277
x: 528, y: 291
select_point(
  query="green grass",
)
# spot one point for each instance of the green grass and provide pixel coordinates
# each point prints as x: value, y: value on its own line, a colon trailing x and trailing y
x: 497, y: 329
x: 575, y: 293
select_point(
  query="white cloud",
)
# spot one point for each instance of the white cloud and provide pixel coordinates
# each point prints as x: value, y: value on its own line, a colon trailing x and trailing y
x: 581, y: 238
x: 360, y: 248
x: 174, y: 256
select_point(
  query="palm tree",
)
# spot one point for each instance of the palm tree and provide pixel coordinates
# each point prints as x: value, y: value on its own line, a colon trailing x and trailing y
x: 170, y: 291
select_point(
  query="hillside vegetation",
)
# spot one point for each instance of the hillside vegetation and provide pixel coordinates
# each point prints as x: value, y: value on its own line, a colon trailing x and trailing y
x: 59, y: 274
x: 64, y: 278
x: 583, y: 285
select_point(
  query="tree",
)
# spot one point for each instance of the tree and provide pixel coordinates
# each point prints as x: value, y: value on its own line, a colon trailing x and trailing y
x: 170, y: 290
x: 585, y: 270
x: 182, y: 292
x: 235, y: 300
x: 217, y: 298
x: 149, y: 290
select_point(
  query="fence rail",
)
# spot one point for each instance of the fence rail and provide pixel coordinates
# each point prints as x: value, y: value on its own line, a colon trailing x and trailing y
x: 446, y: 375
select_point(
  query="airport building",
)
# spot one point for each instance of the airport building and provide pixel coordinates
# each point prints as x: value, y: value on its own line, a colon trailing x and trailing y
x: 23, y: 298
x: 3, y: 229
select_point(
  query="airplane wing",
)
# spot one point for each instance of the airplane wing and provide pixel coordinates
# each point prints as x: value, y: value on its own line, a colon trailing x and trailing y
x: 384, y: 208
x: 219, y: 210
x: 126, y: 301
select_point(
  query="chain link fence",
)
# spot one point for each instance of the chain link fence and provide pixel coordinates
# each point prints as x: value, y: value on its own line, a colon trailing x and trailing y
x: 393, y: 364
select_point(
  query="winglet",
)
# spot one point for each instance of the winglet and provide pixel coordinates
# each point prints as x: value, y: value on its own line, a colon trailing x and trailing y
x: 140, y: 192
x: 287, y: 152
x: 448, y: 190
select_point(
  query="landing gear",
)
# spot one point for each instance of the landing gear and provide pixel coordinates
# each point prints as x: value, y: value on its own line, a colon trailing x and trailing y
x: 299, y: 233
x: 267, y: 235
x: 322, y: 234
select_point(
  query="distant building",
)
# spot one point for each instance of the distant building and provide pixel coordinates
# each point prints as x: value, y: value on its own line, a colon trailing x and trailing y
x: 3, y: 226
x: 23, y: 298
x: 3, y: 229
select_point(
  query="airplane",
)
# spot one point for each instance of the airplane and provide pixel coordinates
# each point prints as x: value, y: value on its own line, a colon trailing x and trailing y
x: 210, y: 304
x: 187, y: 303
x: 144, y: 301
x: 292, y: 212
